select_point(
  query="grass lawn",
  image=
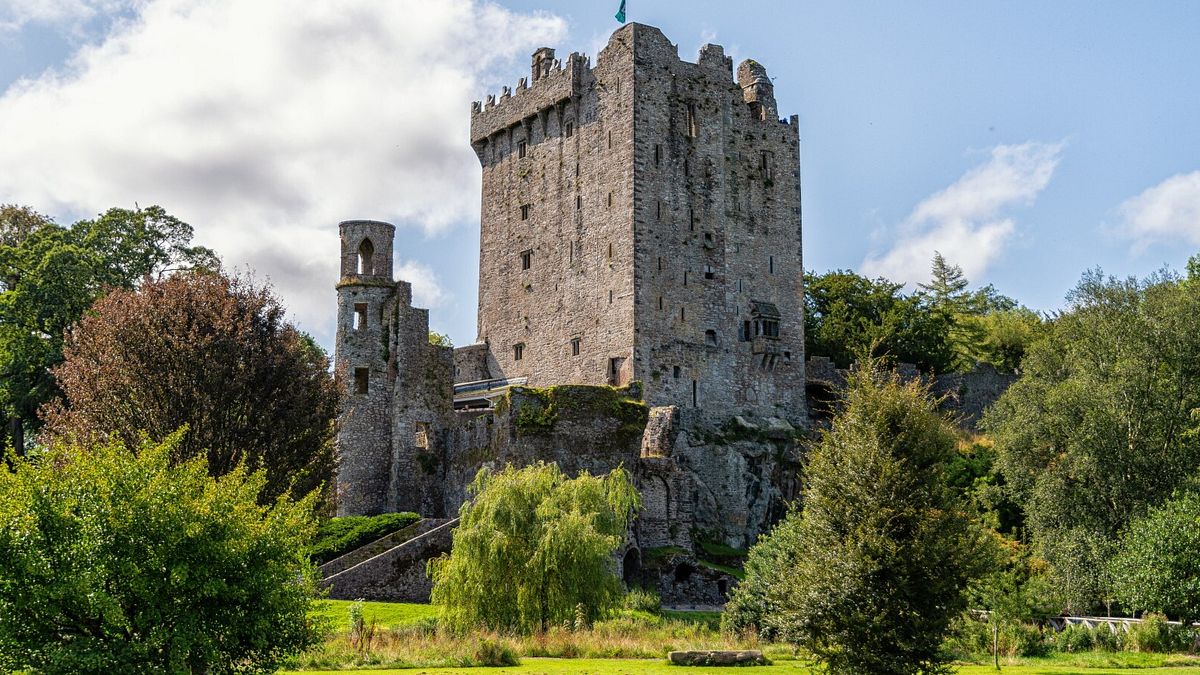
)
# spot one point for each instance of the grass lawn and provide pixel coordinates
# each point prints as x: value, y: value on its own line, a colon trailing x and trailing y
x: 388, y: 615
x: 636, y: 667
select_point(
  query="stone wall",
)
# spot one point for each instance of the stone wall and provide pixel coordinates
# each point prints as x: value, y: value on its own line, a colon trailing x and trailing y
x: 717, y: 229
x: 470, y: 363
x: 398, y: 574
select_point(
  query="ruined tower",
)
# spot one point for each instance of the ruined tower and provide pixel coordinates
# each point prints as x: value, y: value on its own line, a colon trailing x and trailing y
x: 397, y: 396
x: 641, y: 221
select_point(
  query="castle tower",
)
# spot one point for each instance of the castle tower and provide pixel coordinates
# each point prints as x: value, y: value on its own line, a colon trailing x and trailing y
x: 641, y: 221
x: 366, y: 298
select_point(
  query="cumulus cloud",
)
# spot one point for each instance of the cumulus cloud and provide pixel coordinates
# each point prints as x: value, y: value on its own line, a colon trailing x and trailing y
x: 1166, y: 212
x: 966, y: 221
x: 265, y: 123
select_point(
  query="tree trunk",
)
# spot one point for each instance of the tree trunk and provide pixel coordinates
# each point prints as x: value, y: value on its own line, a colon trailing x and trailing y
x: 16, y: 434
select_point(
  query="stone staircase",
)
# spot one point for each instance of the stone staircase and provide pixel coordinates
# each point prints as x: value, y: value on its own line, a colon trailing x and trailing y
x: 368, y: 551
x: 390, y: 568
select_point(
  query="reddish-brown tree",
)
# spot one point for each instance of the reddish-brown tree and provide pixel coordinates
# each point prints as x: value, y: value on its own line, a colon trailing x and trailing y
x: 211, y: 352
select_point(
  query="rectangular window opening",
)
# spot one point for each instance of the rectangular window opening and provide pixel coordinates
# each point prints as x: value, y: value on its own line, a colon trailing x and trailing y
x: 746, y: 336
x: 518, y: 351
x: 675, y: 372
x: 695, y: 393
x: 362, y: 380
x: 525, y: 212
x: 575, y: 346
x: 360, y: 315
x: 570, y: 130
x: 520, y: 149
x: 526, y: 259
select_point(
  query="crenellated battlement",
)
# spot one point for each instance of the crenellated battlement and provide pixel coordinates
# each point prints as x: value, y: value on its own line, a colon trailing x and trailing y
x: 552, y: 83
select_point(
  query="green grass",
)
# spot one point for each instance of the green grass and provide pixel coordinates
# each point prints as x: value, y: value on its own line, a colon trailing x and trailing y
x: 387, y: 615
x: 658, y: 667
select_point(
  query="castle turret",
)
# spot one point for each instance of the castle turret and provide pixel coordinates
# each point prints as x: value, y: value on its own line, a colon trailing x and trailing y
x: 366, y: 301
x: 757, y: 89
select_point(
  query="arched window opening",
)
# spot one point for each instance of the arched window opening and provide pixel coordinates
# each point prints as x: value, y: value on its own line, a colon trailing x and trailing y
x: 366, y: 257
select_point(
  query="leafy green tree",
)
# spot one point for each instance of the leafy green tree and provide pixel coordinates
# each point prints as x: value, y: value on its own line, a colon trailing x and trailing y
x: 1100, y: 425
x: 847, y: 315
x: 50, y: 275
x: 876, y: 565
x: 533, y: 547
x: 113, y: 561
x: 440, y: 339
x: 213, y: 353
x: 753, y: 600
x: 1157, y: 566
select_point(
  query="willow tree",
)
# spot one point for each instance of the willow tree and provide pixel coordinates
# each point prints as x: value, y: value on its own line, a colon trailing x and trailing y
x: 533, y: 547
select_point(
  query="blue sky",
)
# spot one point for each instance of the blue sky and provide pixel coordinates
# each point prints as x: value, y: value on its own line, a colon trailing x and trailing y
x: 1026, y: 141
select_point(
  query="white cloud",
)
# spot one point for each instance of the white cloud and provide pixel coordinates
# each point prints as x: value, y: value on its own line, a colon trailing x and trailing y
x: 1168, y: 211
x: 964, y: 221
x: 265, y: 123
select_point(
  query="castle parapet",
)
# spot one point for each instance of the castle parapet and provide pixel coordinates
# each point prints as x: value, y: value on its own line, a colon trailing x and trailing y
x: 553, y: 83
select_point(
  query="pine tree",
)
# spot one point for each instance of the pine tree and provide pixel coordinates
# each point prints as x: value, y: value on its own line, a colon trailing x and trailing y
x: 869, y: 578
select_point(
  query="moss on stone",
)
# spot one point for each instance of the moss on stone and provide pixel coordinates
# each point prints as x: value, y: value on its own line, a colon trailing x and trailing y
x: 575, y: 400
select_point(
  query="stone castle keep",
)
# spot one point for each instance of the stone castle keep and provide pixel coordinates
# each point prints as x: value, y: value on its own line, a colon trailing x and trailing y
x: 640, y: 304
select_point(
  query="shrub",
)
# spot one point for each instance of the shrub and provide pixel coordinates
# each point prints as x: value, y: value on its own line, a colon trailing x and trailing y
x: 1074, y: 638
x: 114, y: 561
x: 1152, y: 634
x: 339, y: 536
x: 495, y: 653
x: 1107, y: 640
x: 642, y: 600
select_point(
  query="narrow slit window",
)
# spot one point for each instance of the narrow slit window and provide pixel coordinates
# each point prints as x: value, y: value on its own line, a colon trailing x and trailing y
x: 525, y: 212
x: 578, y: 202
x: 691, y: 126
x: 360, y: 315
x: 577, y: 169
x: 610, y: 250
x: 657, y: 154
x: 362, y: 380
x: 660, y: 263
x: 658, y: 210
x: 685, y: 276
x: 610, y: 297
x: 570, y: 130
x: 610, y: 200
x: 526, y: 259
x: 746, y: 336
x: 518, y: 351
x: 660, y: 303
x: 520, y: 149
x: 695, y: 393
x: 575, y: 346
x: 682, y: 314
x: 771, y: 264
x: 675, y: 372
x: 610, y: 140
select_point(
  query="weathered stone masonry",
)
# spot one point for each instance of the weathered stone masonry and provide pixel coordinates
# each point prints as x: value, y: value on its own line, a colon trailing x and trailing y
x: 640, y: 268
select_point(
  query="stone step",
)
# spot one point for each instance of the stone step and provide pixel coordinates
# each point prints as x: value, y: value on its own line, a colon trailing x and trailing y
x: 374, y: 548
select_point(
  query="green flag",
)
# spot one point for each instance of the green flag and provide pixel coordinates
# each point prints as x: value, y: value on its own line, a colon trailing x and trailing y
x: 621, y: 12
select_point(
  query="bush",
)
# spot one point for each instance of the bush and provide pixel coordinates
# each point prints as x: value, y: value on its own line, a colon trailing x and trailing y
x: 1023, y: 639
x: 1105, y: 639
x: 495, y: 653
x: 1152, y: 634
x: 1074, y: 638
x: 642, y: 600
x: 114, y: 561
x: 339, y: 536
